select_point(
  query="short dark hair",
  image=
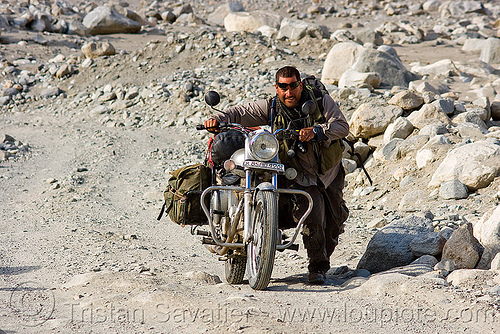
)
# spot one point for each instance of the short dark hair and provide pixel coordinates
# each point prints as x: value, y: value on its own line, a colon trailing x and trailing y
x: 287, y: 72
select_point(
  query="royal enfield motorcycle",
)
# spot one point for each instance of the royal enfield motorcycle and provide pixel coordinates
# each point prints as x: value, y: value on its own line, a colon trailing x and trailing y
x: 242, y: 203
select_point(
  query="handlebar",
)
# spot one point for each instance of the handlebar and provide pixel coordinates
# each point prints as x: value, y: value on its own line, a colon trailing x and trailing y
x: 223, y: 126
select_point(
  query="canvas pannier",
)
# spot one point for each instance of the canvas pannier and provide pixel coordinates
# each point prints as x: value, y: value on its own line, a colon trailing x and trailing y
x: 182, y: 195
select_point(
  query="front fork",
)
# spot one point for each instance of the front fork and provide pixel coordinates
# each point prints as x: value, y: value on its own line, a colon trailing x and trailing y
x: 249, y: 200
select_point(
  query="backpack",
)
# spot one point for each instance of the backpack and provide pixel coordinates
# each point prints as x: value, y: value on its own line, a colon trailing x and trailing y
x: 182, y: 195
x: 320, y: 91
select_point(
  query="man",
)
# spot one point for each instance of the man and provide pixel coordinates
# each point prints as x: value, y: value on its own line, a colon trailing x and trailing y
x: 320, y: 171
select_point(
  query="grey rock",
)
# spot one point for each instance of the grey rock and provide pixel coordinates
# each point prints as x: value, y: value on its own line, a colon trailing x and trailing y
x: 106, y: 20
x: 368, y: 35
x: 441, y: 67
x: 390, y: 69
x: 445, y: 105
x: 390, y: 246
x: 4, y: 100
x: 463, y: 248
x: 453, y: 189
x: 51, y: 92
x: 433, y: 129
x: 428, y: 260
x: 10, y: 92
x: 430, y: 243
x: 445, y: 266
x: 353, y: 78
x: 446, y: 232
x: 494, y: 290
x: 250, y: 21
x: 489, y: 253
x: 471, y: 131
x: 413, y: 269
x: 77, y: 28
x: 391, y: 150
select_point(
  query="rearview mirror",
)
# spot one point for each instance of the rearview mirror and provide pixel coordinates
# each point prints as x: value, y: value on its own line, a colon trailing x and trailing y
x: 212, y: 98
x: 308, y: 107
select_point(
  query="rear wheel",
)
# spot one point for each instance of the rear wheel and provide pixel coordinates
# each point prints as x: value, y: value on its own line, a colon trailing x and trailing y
x: 235, y: 269
x: 262, y: 247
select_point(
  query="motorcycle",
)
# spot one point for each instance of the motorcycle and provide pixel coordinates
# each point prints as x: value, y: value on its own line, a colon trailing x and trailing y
x: 242, y: 204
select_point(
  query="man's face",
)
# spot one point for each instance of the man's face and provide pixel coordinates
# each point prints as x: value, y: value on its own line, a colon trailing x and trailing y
x: 289, y: 91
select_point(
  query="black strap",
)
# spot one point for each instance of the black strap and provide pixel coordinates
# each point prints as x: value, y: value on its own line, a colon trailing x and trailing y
x: 352, y: 153
x: 164, y: 208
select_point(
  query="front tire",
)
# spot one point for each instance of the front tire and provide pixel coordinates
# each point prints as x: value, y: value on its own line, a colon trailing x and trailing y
x: 262, y: 247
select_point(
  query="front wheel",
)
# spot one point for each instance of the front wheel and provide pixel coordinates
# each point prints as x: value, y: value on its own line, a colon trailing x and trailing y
x: 262, y: 246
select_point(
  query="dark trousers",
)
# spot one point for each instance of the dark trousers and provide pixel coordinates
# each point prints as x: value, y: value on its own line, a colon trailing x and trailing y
x: 325, y: 223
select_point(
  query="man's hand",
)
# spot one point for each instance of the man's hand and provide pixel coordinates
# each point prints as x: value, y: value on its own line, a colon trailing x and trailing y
x: 306, y: 134
x: 212, y: 125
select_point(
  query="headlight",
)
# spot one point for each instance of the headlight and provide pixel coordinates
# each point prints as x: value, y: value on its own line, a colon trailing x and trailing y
x: 264, y: 146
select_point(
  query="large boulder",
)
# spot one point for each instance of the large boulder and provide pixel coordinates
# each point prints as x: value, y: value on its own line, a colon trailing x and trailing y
x: 333, y: 68
x: 390, y: 246
x: 371, y: 119
x: 389, y: 67
x: 250, y: 21
x: 475, y: 165
x: 106, y: 20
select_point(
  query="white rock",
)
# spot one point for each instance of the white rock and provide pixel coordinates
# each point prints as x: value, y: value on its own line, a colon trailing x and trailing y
x: 475, y: 165
x: 333, y: 68
x: 400, y: 128
x: 490, y: 231
x: 424, y: 157
x: 441, y: 67
x: 353, y: 78
x: 371, y: 119
x: 491, y: 51
x: 250, y: 21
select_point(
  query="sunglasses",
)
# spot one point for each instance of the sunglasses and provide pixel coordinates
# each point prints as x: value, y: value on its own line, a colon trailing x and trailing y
x: 291, y: 86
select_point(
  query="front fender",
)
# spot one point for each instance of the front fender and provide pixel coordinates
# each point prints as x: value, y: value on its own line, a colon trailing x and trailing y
x: 266, y: 186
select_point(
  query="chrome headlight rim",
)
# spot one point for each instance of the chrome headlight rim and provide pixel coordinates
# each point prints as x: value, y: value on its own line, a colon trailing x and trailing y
x: 264, y: 146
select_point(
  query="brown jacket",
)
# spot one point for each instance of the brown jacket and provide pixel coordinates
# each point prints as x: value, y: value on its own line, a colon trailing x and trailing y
x: 258, y: 113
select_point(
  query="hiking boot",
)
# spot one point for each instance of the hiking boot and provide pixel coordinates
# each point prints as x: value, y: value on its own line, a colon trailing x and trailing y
x: 317, y: 277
